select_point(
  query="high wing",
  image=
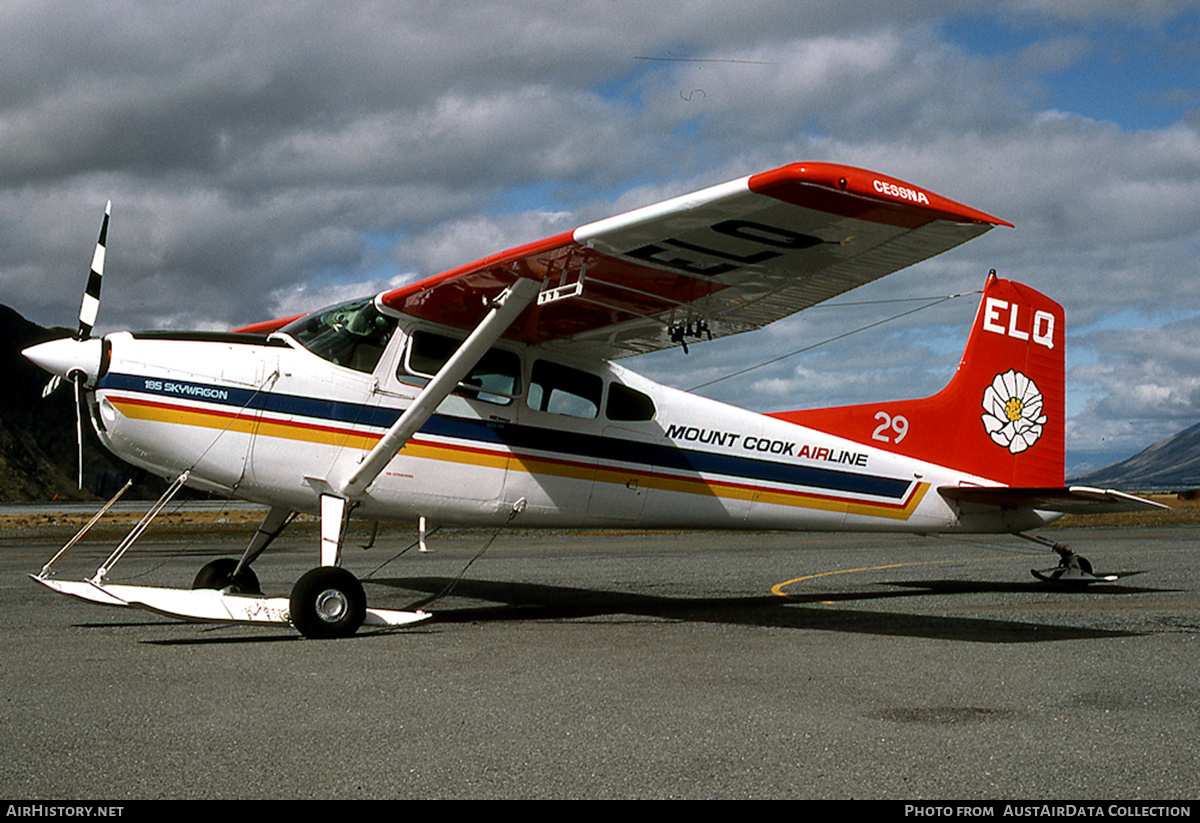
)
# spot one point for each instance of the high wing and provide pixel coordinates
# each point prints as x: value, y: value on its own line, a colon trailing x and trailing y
x: 727, y: 259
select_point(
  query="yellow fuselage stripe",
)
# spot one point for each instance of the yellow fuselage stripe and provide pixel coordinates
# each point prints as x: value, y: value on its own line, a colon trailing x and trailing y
x: 137, y: 409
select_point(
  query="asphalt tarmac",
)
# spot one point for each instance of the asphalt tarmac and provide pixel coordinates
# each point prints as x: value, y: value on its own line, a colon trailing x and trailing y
x: 622, y: 665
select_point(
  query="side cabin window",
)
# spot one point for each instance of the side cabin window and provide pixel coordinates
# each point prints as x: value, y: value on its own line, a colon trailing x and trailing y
x: 561, y: 389
x: 628, y: 404
x: 350, y: 334
x: 496, y: 378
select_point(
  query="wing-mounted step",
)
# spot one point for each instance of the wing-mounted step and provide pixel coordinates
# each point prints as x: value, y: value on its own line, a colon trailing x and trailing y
x: 564, y: 278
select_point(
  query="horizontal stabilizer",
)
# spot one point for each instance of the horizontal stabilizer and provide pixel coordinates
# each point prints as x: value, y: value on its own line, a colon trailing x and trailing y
x: 1068, y: 500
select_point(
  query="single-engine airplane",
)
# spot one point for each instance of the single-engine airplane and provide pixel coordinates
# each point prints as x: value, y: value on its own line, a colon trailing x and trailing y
x: 489, y: 395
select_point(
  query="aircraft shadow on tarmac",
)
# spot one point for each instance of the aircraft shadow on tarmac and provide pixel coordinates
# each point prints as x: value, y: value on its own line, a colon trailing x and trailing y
x: 511, y: 601
x: 531, y: 601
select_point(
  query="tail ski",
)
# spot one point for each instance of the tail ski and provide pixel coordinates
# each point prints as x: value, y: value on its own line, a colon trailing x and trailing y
x: 1002, y: 415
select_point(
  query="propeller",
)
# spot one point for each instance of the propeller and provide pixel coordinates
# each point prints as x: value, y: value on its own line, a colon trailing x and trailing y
x: 91, y: 295
x: 69, y: 361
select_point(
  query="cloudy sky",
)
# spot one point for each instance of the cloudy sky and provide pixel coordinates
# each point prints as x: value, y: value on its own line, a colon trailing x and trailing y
x: 264, y: 159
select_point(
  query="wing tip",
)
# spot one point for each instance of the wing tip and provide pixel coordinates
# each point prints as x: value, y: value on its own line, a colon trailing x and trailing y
x: 788, y: 182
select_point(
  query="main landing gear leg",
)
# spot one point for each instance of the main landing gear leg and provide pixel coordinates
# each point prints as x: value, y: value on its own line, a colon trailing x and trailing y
x: 1072, y: 568
x: 329, y: 601
x: 236, y: 575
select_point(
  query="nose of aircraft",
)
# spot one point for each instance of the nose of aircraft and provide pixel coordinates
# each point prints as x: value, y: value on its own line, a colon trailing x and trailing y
x: 67, y: 356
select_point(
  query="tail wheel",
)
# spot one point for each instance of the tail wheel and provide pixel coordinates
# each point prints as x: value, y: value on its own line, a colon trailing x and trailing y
x: 218, y: 574
x: 328, y: 602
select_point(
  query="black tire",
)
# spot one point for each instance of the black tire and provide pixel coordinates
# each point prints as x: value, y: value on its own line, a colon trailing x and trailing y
x: 328, y: 602
x: 218, y: 574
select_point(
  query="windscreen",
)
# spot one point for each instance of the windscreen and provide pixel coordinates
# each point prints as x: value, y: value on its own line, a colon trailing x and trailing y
x: 351, y: 334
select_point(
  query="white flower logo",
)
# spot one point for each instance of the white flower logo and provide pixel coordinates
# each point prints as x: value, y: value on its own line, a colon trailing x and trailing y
x: 1013, y: 411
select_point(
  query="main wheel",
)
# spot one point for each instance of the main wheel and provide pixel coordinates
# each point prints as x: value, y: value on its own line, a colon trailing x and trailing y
x: 218, y: 574
x: 328, y: 602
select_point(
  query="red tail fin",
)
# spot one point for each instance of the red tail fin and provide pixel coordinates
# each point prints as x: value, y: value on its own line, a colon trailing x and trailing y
x: 1002, y: 416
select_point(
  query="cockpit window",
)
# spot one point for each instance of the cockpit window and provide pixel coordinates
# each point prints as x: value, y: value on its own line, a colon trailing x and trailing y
x: 351, y: 334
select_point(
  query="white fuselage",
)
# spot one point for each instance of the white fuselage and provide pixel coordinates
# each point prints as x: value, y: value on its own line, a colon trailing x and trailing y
x: 271, y: 422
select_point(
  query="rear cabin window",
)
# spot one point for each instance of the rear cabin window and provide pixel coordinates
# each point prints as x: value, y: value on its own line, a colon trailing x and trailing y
x: 496, y: 378
x: 561, y: 389
x: 625, y: 403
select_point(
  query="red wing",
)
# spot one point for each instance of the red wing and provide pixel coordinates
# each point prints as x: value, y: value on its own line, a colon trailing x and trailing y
x: 723, y: 260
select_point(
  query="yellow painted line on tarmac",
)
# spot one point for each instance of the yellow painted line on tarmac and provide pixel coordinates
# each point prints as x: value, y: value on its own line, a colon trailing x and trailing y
x: 778, y: 588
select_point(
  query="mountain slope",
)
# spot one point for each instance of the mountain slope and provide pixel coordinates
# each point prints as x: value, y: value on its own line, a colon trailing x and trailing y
x: 38, y: 458
x: 1172, y: 464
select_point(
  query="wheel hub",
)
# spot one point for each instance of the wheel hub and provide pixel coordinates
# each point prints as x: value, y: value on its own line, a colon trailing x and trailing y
x: 332, y: 605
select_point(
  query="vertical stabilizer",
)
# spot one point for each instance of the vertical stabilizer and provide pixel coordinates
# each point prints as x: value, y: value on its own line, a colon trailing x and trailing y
x: 1002, y: 416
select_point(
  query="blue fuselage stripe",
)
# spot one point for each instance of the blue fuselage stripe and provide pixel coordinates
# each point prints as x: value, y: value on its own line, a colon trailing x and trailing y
x: 522, y: 438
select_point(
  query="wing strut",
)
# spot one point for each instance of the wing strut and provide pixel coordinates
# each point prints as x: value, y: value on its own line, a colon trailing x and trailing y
x: 501, y: 314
